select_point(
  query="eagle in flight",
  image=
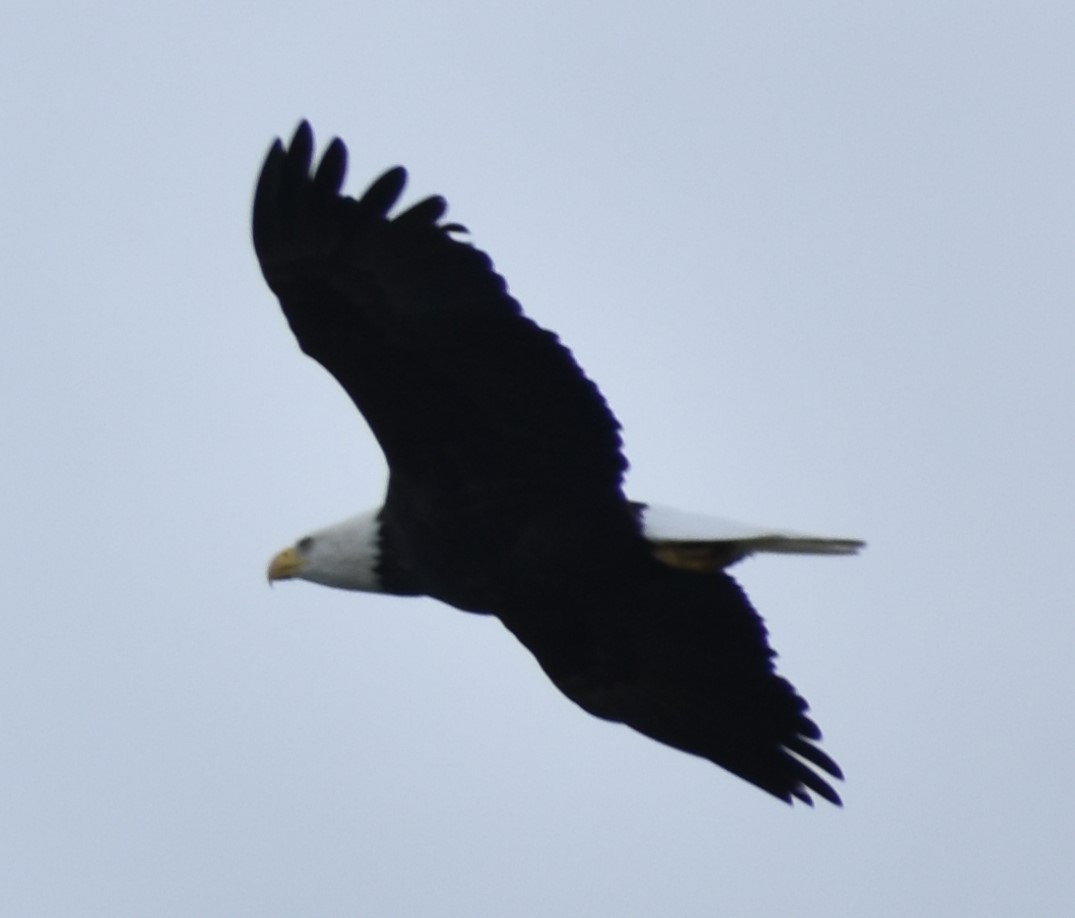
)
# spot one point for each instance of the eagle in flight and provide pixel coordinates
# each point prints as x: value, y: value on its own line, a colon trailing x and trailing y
x: 505, y: 481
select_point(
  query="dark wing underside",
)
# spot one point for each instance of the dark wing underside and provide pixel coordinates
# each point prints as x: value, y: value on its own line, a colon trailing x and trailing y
x: 683, y: 658
x: 457, y: 385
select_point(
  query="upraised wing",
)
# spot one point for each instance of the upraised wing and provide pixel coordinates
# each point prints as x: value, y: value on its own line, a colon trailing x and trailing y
x: 456, y: 384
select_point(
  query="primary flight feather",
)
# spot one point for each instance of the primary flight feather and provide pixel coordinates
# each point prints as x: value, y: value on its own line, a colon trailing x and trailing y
x: 505, y: 486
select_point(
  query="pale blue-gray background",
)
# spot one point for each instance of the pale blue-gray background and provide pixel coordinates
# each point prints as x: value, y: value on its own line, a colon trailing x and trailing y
x: 820, y: 259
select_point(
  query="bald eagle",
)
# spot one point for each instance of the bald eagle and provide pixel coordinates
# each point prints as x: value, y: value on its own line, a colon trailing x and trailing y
x: 505, y: 486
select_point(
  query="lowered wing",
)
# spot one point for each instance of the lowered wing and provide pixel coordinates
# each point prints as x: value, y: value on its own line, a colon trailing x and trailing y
x: 683, y: 658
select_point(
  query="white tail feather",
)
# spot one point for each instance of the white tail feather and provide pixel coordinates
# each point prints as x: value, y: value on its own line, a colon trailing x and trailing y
x: 667, y: 527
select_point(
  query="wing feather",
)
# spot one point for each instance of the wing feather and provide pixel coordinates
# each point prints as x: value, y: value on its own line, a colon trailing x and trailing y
x: 457, y: 385
x: 683, y: 658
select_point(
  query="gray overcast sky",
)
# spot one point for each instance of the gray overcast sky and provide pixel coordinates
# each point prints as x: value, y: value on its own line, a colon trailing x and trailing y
x: 819, y: 257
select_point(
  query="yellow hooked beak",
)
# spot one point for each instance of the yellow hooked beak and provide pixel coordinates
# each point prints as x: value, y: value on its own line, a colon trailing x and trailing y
x: 286, y: 565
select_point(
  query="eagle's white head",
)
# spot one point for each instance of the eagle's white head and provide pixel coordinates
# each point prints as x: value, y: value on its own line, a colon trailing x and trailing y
x: 345, y: 555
